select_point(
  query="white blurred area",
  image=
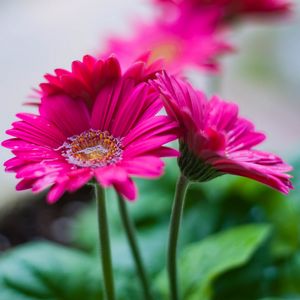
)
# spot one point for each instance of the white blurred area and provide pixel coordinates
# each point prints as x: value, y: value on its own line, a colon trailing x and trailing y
x: 37, y: 36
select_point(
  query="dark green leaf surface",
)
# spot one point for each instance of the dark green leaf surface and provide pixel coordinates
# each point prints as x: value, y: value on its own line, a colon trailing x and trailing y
x: 202, y: 262
x: 43, y: 270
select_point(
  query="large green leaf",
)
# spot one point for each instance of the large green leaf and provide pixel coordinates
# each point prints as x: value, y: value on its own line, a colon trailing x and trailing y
x: 201, y: 263
x: 43, y: 270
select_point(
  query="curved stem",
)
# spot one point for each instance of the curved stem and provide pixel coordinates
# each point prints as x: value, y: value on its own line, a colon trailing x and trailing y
x: 104, y: 243
x: 178, y: 204
x: 130, y: 232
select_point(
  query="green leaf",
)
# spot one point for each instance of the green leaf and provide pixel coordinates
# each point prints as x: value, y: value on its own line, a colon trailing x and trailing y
x: 288, y: 282
x: 285, y: 298
x: 271, y: 298
x: 201, y: 263
x: 43, y: 270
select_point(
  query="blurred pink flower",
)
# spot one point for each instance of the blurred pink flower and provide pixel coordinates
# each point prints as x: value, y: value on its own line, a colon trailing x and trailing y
x: 185, y: 41
x: 93, y: 122
x: 216, y: 141
x: 235, y: 9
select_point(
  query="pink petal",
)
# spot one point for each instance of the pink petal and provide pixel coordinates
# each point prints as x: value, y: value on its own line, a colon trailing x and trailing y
x: 127, y: 189
x: 140, y: 103
x: 108, y: 99
x: 78, y: 179
x: 118, y: 178
x: 25, y: 184
x: 68, y: 115
x: 56, y: 192
x: 107, y: 176
x: 144, y: 166
x: 151, y: 127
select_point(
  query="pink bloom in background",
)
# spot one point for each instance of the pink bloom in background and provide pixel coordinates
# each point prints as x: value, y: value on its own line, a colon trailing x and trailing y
x: 186, y: 41
x: 232, y: 9
x: 216, y: 140
x: 93, y: 122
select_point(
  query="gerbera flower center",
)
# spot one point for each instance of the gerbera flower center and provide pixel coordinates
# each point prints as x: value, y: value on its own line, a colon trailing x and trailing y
x: 92, y: 148
x: 168, y: 50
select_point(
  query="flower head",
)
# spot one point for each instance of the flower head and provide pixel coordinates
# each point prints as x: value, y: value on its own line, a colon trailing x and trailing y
x: 183, y: 42
x: 93, y: 122
x: 216, y: 141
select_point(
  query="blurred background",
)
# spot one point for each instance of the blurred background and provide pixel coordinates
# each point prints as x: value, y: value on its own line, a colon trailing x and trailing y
x: 37, y: 36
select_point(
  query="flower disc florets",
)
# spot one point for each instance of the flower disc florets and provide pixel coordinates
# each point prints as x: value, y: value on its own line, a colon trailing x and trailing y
x: 92, y: 148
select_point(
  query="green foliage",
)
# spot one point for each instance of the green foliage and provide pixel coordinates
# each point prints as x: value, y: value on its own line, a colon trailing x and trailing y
x: 43, y: 270
x: 226, y: 248
x: 206, y: 260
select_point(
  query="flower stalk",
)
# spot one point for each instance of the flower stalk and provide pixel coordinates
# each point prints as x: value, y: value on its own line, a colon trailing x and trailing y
x: 105, y: 251
x: 176, y: 216
x: 131, y: 236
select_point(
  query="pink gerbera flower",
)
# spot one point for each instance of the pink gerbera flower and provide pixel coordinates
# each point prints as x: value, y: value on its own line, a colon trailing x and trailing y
x: 184, y: 42
x: 216, y: 140
x: 93, y: 122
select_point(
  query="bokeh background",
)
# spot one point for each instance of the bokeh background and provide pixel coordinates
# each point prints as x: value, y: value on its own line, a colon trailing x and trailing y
x: 37, y: 36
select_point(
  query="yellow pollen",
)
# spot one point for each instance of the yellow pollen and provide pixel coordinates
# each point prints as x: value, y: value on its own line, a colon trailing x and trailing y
x: 92, y: 148
x: 167, y: 50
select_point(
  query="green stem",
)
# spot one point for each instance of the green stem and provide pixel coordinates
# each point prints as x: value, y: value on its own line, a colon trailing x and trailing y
x: 130, y: 232
x: 178, y: 204
x: 104, y: 243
